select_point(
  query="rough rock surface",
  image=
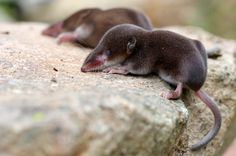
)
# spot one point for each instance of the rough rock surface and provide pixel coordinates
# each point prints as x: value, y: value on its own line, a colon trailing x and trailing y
x: 48, y: 107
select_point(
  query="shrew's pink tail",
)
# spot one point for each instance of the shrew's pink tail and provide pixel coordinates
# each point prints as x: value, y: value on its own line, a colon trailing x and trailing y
x: 217, y: 123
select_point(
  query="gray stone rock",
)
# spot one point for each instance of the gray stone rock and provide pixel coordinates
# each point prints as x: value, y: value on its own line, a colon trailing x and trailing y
x: 48, y: 107
x: 93, y: 121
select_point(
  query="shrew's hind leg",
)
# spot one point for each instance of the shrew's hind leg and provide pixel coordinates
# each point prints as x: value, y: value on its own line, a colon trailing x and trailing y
x: 173, y: 95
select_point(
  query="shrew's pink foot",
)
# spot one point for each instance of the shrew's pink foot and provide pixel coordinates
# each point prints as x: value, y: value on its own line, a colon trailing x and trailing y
x: 116, y: 70
x: 173, y: 95
x: 66, y: 37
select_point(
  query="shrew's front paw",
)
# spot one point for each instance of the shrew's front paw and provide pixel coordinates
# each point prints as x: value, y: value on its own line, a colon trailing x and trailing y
x: 107, y: 70
x: 116, y: 70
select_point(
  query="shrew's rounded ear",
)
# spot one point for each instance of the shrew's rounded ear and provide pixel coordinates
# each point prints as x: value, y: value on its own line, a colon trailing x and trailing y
x: 131, y: 45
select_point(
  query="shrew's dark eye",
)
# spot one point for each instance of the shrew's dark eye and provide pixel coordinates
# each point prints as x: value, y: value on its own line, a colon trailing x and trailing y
x: 108, y: 53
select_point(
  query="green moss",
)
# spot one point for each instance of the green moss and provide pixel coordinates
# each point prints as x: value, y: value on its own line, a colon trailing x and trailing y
x: 216, y: 16
x: 10, y: 9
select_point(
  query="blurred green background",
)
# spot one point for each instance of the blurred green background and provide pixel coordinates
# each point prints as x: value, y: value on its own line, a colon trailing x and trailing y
x: 215, y: 16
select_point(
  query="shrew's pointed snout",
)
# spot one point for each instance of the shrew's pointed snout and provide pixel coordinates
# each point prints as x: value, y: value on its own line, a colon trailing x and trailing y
x: 93, y: 62
x: 53, y: 30
x: 83, y: 69
x: 91, y: 65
